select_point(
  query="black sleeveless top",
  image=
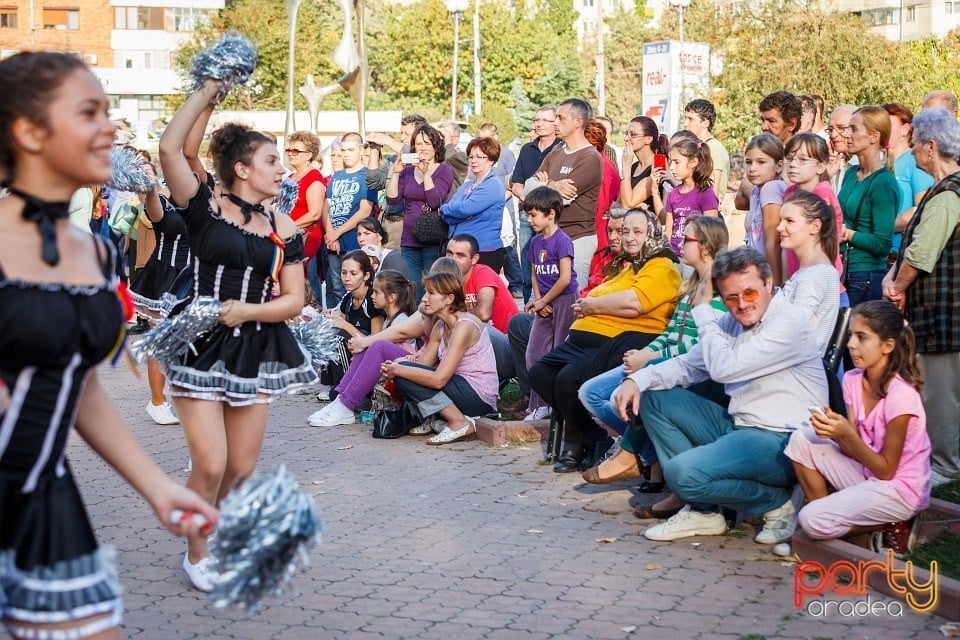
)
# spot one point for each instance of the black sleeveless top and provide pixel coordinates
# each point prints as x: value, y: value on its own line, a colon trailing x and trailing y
x: 51, y: 335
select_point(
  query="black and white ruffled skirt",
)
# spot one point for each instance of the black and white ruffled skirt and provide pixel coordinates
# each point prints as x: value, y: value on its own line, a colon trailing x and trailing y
x: 250, y: 364
x: 158, y: 288
x: 51, y: 567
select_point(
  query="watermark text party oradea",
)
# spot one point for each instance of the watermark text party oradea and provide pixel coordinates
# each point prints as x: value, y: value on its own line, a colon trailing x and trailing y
x: 845, y: 578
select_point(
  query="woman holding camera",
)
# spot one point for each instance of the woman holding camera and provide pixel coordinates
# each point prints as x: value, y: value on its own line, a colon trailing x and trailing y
x: 421, y: 184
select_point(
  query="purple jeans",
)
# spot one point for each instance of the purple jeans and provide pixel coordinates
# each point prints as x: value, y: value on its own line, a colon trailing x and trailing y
x: 364, y: 371
x: 548, y: 333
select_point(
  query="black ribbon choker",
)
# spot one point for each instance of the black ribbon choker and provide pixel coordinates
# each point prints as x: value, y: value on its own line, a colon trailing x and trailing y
x: 246, y: 208
x: 45, y: 214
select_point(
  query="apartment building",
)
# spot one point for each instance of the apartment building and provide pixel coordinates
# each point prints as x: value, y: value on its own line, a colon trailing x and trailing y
x: 127, y: 43
x: 904, y: 19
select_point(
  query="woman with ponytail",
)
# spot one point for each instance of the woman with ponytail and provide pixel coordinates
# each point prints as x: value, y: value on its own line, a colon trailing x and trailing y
x: 869, y: 197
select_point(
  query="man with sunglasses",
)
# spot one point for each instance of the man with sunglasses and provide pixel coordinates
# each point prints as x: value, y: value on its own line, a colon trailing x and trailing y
x: 765, y: 354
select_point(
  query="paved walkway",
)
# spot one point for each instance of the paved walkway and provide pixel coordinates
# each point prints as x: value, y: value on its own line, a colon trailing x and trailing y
x: 455, y: 542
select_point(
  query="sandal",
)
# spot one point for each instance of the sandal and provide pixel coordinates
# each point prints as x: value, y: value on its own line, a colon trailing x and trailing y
x: 448, y: 435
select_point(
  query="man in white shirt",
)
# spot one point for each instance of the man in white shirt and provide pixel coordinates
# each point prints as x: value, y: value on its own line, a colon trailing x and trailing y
x: 765, y: 354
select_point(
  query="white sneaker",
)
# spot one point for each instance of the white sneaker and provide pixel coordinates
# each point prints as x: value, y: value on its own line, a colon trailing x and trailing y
x: 780, y: 523
x: 333, y: 414
x: 162, y: 413
x: 202, y: 576
x: 688, y: 523
x: 539, y: 413
x: 324, y: 392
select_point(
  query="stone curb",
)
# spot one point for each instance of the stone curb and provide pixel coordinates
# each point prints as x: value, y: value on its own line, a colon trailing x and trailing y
x: 932, y: 522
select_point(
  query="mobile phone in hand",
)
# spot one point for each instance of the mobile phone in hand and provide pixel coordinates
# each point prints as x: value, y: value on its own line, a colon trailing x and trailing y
x: 659, y: 161
x: 815, y: 410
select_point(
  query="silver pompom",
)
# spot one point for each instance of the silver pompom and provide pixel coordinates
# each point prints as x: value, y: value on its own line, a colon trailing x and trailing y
x: 320, y: 339
x: 231, y: 60
x: 267, y: 527
x: 289, y: 192
x: 170, y: 339
x: 128, y: 172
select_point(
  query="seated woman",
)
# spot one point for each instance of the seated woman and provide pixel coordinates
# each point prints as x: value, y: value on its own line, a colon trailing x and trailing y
x: 626, y: 311
x: 373, y: 240
x: 356, y: 315
x: 808, y: 228
x: 394, y: 295
x: 518, y: 329
x: 703, y: 238
x: 455, y: 375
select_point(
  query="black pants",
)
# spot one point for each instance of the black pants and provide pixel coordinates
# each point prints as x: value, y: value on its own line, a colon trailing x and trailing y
x: 493, y: 259
x: 518, y: 332
x: 557, y: 377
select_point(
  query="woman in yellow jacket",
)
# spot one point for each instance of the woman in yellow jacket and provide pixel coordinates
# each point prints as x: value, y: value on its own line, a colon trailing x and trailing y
x: 626, y: 311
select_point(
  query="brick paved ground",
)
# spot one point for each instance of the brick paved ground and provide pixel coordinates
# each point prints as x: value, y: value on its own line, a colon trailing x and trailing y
x: 456, y: 542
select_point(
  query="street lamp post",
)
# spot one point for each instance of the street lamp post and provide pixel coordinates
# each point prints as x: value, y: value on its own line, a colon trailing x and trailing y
x: 477, y: 108
x: 456, y: 8
x: 681, y: 7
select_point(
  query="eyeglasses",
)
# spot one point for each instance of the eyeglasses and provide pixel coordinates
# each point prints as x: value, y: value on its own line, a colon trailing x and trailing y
x: 798, y: 160
x: 840, y: 128
x: 689, y: 239
x: 296, y: 152
x: 476, y: 158
x: 632, y: 135
x: 748, y: 296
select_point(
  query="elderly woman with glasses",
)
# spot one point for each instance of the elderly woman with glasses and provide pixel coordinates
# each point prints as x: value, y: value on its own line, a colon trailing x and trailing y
x: 477, y: 206
x: 923, y: 283
x: 628, y: 310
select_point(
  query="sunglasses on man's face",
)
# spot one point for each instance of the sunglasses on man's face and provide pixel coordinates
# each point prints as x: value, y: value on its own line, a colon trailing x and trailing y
x: 748, y: 296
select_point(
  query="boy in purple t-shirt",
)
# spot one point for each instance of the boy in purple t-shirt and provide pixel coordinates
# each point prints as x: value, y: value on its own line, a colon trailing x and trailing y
x: 554, y: 282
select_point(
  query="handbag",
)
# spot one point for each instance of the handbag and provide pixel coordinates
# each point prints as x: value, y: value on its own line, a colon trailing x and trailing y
x: 430, y: 227
x: 393, y: 423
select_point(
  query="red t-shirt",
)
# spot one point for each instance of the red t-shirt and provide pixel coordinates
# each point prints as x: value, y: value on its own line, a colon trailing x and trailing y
x: 314, y: 233
x: 504, y: 307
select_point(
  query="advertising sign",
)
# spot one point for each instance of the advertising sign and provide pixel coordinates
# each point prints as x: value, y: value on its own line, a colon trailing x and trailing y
x: 673, y: 74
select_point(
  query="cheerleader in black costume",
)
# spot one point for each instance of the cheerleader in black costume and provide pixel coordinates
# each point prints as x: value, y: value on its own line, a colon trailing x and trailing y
x: 149, y: 285
x: 59, y: 317
x: 241, y: 250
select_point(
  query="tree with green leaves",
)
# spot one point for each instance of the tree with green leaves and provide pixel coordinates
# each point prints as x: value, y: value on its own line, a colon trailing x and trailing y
x: 796, y: 46
x: 265, y: 22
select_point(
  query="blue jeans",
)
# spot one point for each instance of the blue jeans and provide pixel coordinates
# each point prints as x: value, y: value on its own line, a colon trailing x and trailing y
x: 313, y: 277
x: 864, y: 285
x: 526, y: 234
x: 708, y: 460
x: 512, y: 270
x: 335, y: 288
x: 419, y: 260
x: 595, y: 395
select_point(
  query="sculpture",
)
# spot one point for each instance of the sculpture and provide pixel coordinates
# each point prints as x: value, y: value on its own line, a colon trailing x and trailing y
x: 349, y: 55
